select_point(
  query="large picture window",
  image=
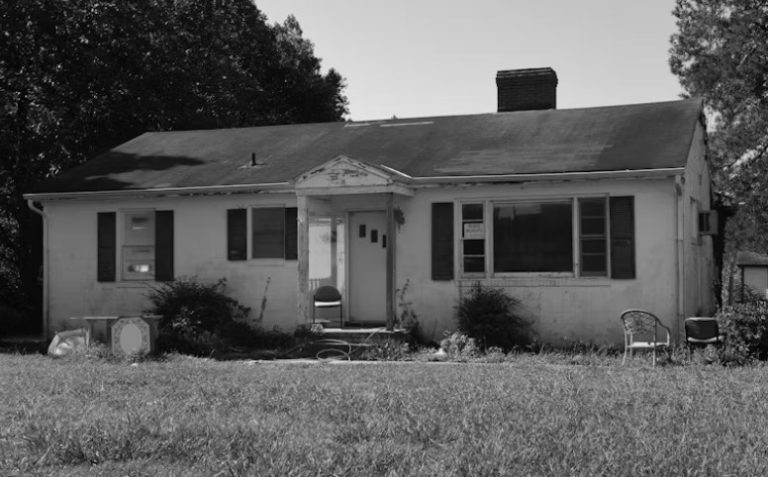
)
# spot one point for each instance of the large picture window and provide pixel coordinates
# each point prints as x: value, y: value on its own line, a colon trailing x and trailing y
x: 586, y: 236
x: 533, y: 237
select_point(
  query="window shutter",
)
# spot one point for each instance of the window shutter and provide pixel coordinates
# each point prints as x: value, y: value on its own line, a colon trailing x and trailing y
x: 164, y: 245
x: 622, y: 237
x: 237, y: 234
x: 291, y: 233
x: 106, y: 256
x: 442, y: 241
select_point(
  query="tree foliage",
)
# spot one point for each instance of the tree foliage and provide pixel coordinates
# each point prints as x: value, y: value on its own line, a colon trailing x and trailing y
x: 80, y: 76
x: 720, y: 53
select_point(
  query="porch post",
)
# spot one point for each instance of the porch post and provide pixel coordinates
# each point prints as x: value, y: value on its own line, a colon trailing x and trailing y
x: 390, y: 261
x: 303, y: 297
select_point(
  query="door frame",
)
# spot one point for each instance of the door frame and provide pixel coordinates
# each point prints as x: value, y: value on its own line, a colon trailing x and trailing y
x: 348, y: 262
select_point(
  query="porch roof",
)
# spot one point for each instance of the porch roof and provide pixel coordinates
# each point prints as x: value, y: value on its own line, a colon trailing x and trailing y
x: 614, y: 138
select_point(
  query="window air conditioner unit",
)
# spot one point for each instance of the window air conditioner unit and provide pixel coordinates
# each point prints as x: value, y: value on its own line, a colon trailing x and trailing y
x: 708, y: 222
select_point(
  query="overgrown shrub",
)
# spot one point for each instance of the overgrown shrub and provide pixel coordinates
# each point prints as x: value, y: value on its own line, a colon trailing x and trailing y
x: 491, y: 317
x: 745, y: 326
x: 199, y: 319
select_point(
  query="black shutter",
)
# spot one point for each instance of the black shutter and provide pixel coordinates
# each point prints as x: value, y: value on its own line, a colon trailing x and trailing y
x: 237, y: 234
x: 442, y: 241
x: 106, y: 255
x: 291, y: 233
x: 164, y: 245
x: 622, y: 237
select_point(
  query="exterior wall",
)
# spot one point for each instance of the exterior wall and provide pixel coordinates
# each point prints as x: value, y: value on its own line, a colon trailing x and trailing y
x: 697, y: 279
x: 755, y: 278
x: 200, y: 250
x: 563, y: 309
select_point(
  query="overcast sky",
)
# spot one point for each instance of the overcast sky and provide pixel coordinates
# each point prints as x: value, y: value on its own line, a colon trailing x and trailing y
x: 414, y: 58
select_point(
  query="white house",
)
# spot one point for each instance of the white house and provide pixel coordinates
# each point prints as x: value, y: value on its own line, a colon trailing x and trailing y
x: 579, y: 213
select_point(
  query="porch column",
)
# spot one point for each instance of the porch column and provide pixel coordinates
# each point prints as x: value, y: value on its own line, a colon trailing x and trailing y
x: 391, y: 309
x: 303, y: 298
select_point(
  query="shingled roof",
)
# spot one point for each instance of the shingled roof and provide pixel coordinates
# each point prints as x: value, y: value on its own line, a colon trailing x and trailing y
x: 615, y: 138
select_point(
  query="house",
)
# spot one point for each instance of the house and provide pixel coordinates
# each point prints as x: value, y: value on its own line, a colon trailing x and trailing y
x: 754, y: 273
x: 579, y: 213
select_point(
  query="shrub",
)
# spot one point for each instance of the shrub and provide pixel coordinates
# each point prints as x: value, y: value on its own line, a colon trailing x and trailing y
x: 490, y: 316
x: 198, y: 318
x: 745, y: 326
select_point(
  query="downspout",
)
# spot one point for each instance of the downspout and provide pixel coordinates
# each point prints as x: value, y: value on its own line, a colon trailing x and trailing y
x: 680, y: 262
x: 38, y: 210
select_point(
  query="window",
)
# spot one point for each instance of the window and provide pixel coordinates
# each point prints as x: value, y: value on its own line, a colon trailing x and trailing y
x: 139, y: 245
x: 592, y: 236
x: 532, y: 237
x: 145, y: 244
x: 273, y: 233
x: 473, y: 238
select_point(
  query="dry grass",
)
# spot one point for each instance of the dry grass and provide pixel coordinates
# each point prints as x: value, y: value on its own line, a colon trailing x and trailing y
x: 525, y: 417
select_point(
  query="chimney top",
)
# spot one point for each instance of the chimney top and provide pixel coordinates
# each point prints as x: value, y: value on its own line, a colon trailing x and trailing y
x: 526, y: 89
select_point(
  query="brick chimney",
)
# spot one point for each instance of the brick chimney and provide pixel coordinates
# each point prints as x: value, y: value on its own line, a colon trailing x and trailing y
x: 526, y: 89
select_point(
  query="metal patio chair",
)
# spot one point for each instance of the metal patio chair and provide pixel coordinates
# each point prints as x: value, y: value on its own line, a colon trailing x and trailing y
x: 702, y: 331
x: 327, y: 297
x: 641, y: 332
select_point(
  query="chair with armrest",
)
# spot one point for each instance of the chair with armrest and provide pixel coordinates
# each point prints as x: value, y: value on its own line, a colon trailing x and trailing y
x: 643, y: 331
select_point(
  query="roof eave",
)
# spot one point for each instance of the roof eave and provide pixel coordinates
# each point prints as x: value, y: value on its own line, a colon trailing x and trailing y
x: 555, y: 176
x: 162, y: 191
x: 426, y: 180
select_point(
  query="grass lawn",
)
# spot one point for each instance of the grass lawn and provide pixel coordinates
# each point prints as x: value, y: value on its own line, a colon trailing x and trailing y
x: 189, y: 416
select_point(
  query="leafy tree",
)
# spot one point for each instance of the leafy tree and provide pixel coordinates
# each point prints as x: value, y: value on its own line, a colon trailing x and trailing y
x: 720, y: 53
x: 78, y: 77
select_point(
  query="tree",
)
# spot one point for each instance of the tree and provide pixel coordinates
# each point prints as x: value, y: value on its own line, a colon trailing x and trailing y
x: 78, y: 77
x: 720, y: 53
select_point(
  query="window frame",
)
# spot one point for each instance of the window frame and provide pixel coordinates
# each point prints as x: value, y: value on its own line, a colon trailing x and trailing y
x: 491, y: 232
x: 123, y: 247
x: 576, y: 246
x: 249, y: 233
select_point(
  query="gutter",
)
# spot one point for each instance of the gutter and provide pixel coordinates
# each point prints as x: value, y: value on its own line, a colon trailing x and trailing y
x: 46, y: 294
x: 404, y: 178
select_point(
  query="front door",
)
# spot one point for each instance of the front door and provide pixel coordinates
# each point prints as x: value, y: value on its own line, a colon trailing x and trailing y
x: 367, y: 288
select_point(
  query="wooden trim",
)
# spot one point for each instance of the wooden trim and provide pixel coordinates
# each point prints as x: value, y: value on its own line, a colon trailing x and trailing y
x: 391, y: 233
x: 304, y: 294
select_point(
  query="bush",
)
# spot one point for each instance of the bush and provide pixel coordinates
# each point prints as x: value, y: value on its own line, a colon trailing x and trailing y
x: 745, y: 326
x: 198, y: 318
x: 490, y: 316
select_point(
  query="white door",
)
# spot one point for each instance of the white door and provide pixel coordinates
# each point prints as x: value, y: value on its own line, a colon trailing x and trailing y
x: 367, y: 287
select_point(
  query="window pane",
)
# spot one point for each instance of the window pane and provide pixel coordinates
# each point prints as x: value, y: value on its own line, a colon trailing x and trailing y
x: 533, y: 237
x: 593, y: 245
x: 474, y: 247
x: 140, y: 228
x: 593, y: 264
x: 268, y: 232
x: 593, y: 226
x: 474, y: 264
x: 472, y: 212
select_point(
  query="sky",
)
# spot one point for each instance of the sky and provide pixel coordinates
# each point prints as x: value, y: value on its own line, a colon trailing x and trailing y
x: 416, y: 58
